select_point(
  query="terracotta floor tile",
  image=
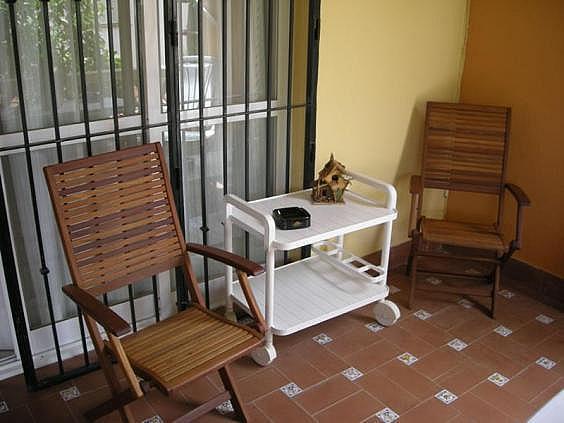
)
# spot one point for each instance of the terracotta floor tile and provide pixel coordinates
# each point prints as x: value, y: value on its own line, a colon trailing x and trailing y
x: 406, y: 341
x: 546, y: 395
x: 530, y: 383
x: 298, y: 370
x: 426, y: 331
x: 451, y: 316
x: 533, y: 333
x: 479, y: 411
x: 373, y: 356
x: 326, y: 393
x: 431, y: 410
x: 87, y: 402
x: 500, y: 398
x: 320, y: 357
x: 340, y: 325
x: 463, y: 377
x: 508, y: 347
x: 409, y: 379
x: 261, y: 383
x: 387, y: 391
x: 352, y: 341
x: 473, y: 328
x: 355, y: 408
x: 462, y: 418
x: 438, y: 362
x: 51, y: 409
x: 505, y: 316
x: 200, y: 390
x: 552, y: 347
x: 279, y: 408
x: 488, y: 357
x: 20, y: 414
x: 244, y: 367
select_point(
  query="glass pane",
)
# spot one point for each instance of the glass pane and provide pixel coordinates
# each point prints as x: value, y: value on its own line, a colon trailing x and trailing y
x: 9, y: 107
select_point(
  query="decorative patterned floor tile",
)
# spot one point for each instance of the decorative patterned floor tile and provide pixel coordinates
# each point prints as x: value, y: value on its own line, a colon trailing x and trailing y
x: 4, y: 407
x: 393, y: 289
x: 387, y: 415
x: 407, y: 358
x: 291, y: 390
x: 69, y: 393
x: 352, y: 374
x: 506, y: 293
x: 465, y: 303
x: 422, y: 314
x: 158, y: 419
x: 545, y: 319
x: 547, y: 363
x: 445, y: 396
x: 498, y: 379
x: 433, y: 280
x: 472, y: 271
x: 225, y: 408
x: 374, y: 327
x: 503, y: 331
x: 457, y: 344
x: 322, y: 339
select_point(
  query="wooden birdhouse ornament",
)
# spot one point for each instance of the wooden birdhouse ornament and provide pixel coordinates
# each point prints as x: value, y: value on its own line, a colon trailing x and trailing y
x: 330, y: 186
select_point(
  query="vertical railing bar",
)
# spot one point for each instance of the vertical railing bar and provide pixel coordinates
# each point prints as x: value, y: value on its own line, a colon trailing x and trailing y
x: 201, y: 103
x: 289, y: 102
x: 224, y: 90
x: 269, y: 150
x: 50, y: 69
x: 144, y: 120
x: 113, y: 86
x: 14, y: 296
x: 247, y: 66
x: 289, y: 94
x: 53, y: 92
x: 83, y: 91
x: 44, y: 270
x: 141, y: 71
x: 113, y: 83
x: 174, y: 136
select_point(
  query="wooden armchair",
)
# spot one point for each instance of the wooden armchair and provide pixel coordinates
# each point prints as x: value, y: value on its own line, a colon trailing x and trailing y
x: 465, y: 149
x: 118, y: 224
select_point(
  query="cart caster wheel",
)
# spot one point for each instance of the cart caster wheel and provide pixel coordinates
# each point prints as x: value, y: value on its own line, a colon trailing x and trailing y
x: 386, y: 312
x: 264, y: 355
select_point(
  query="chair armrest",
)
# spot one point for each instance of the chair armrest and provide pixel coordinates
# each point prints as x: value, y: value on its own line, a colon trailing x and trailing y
x: 519, y: 195
x: 225, y: 257
x: 415, y: 184
x: 98, y: 311
x: 522, y: 201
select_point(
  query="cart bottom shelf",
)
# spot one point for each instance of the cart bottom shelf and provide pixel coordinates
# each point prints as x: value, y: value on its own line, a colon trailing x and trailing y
x: 309, y: 292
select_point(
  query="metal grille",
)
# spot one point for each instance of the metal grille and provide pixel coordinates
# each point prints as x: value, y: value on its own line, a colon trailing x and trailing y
x: 129, y: 123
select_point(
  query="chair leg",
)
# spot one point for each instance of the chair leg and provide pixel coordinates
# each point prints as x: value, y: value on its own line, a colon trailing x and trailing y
x: 411, y: 255
x: 495, y: 288
x: 413, y: 281
x: 227, y: 380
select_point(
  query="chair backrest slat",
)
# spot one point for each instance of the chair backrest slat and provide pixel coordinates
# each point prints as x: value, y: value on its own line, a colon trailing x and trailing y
x: 116, y: 217
x: 465, y: 147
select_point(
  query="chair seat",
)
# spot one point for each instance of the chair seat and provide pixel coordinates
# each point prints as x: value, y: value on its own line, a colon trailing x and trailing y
x: 186, y: 346
x: 470, y: 235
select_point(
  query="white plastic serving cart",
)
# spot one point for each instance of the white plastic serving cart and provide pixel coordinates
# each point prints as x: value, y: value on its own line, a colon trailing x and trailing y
x: 329, y: 283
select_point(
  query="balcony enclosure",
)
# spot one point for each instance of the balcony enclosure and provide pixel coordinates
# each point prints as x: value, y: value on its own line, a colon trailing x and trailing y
x: 211, y: 80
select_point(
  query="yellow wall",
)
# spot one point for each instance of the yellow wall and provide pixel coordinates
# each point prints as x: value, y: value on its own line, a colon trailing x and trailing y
x: 380, y: 61
x: 515, y: 57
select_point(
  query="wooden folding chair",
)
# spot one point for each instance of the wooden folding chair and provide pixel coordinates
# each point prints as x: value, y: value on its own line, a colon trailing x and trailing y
x: 465, y: 149
x: 118, y: 224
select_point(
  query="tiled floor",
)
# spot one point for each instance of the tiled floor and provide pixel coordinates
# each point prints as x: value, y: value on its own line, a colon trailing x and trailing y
x: 448, y: 362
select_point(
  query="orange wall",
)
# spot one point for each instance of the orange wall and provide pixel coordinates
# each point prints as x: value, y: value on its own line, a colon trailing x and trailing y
x: 515, y: 57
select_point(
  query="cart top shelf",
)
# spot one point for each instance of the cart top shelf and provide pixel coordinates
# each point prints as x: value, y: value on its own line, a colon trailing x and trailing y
x: 327, y: 220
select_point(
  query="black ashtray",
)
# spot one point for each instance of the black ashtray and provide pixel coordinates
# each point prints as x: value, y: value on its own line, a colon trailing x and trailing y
x: 291, y: 218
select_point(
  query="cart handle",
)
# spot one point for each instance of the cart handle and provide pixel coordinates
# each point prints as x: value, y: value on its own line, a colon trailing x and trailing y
x: 267, y: 221
x: 389, y: 189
